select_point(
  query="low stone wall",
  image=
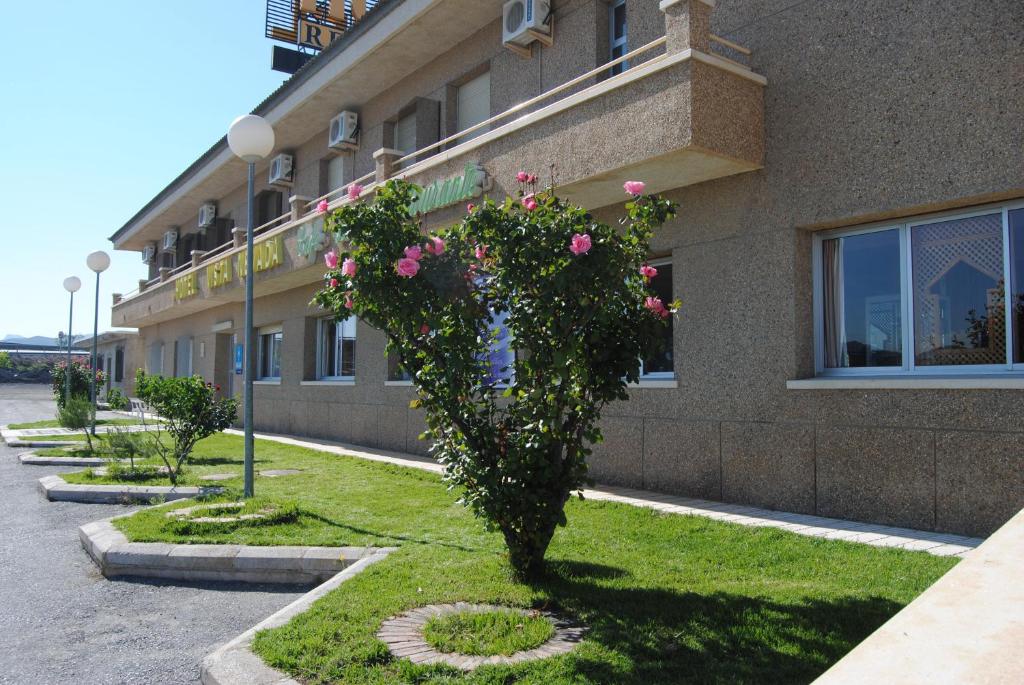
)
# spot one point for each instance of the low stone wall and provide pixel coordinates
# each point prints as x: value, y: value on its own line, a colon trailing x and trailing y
x: 966, y: 628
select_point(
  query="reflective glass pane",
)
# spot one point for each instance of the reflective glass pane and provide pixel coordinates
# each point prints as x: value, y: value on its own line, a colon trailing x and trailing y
x: 662, y: 285
x: 1017, y: 283
x: 863, y: 315
x: 959, y: 311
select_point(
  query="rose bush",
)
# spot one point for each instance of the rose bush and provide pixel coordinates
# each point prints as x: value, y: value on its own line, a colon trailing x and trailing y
x: 513, y: 433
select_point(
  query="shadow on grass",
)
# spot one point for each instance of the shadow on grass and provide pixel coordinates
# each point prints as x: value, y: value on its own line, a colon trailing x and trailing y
x: 221, y: 461
x: 384, y: 536
x: 673, y: 637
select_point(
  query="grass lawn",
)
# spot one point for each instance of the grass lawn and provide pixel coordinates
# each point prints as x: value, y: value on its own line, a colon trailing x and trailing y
x: 667, y: 598
x: 53, y: 423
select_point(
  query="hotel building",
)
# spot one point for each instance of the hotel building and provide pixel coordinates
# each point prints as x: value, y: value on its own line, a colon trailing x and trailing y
x: 849, y: 249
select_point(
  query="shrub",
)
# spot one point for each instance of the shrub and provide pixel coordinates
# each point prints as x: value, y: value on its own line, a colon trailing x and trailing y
x: 571, y: 292
x: 81, y: 377
x: 5, y: 360
x: 191, y: 411
x: 77, y: 414
x: 130, y: 445
x: 117, y: 400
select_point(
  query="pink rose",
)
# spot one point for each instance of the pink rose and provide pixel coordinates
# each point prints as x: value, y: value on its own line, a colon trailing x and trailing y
x: 435, y: 246
x: 424, y: 329
x: 634, y: 188
x: 648, y: 271
x: 331, y: 260
x: 414, y: 252
x: 348, y: 267
x: 470, y: 207
x: 334, y: 282
x: 580, y: 244
x: 656, y: 307
x: 322, y: 206
x: 407, y: 267
x: 530, y: 202
x: 481, y: 251
x: 348, y: 301
x: 522, y: 177
x: 532, y: 178
x: 354, y: 191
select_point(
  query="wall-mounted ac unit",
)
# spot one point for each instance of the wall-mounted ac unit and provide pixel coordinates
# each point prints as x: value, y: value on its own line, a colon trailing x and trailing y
x: 525, y: 21
x: 281, y: 170
x: 149, y: 253
x: 344, y: 133
x: 207, y: 214
x: 170, y: 239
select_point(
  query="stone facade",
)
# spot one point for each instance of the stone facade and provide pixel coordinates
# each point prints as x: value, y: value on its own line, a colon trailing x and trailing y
x: 874, y: 111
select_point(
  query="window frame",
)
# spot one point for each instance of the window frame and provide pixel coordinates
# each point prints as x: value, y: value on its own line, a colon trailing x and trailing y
x: 614, y: 42
x: 459, y: 91
x: 321, y: 374
x: 909, y: 368
x: 261, y: 351
x: 662, y: 375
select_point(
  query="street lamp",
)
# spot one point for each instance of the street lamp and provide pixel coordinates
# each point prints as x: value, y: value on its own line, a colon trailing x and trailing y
x: 98, y: 261
x: 251, y: 138
x: 72, y: 285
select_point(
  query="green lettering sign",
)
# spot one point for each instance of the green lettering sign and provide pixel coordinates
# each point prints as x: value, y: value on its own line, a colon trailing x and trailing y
x: 473, y: 182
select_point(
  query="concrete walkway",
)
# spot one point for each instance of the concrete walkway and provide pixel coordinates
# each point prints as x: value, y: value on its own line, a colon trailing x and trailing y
x: 939, y: 544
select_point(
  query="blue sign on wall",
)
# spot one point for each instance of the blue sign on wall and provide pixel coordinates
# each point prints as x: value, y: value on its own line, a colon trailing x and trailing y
x: 239, y: 356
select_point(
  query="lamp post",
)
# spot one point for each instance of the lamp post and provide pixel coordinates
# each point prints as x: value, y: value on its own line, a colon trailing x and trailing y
x: 251, y: 138
x: 97, y: 261
x: 71, y: 284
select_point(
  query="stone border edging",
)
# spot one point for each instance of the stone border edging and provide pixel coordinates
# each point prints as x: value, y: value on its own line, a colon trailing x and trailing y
x: 33, y: 459
x: 403, y: 634
x: 116, y: 556
x: 56, y: 489
x: 235, y: 663
x: 16, y: 442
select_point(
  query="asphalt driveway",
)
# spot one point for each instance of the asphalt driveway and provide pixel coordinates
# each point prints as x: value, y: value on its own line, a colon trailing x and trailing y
x: 62, y: 622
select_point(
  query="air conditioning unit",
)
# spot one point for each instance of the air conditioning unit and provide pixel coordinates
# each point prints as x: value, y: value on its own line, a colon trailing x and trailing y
x: 524, y: 21
x: 281, y: 170
x: 170, y: 239
x: 344, y: 133
x: 207, y: 214
x: 149, y: 253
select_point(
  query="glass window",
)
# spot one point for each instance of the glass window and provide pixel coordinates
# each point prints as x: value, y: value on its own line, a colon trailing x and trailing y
x: 502, y: 355
x: 270, y: 355
x: 405, y: 136
x: 473, y: 105
x: 1016, y: 230
x: 395, y: 370
x: 119, y: 365
x: 336, y: 350
x: 959, y: 311
x: 183, y: 357
x: 862, y: 298
x: 335, y: 173
x: 948, y: 278
x: 617, y: 34
x: 661, y: 365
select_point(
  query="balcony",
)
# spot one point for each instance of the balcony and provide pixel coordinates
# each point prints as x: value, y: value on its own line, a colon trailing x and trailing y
x: 689, y: 111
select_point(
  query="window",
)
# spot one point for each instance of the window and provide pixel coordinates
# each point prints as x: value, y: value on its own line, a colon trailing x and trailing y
x: 928, y: 296
x: 335, y: 173
x: 617, y: 34
x: 661, y: 366
x: 405, y: 136
x: 155, y: 360
x: 119, y: 365
x: 502, y: 356
x: 396, y: 374
x: 336, y: 349
x: 270, y: 354
x: 473, y: 105
x: 183, y: 357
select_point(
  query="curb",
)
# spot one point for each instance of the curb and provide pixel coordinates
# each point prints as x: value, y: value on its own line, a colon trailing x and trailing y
x: 115, y: 556
x: 32, y: 459
x: 235, y: 664
x: 56, y: 489
x: 42, y: 443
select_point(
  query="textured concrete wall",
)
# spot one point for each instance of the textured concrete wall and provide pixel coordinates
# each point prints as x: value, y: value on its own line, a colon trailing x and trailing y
x: 879, y: 109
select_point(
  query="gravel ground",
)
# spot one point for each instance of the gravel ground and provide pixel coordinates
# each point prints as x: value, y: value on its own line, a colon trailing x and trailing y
x: 62, y: 622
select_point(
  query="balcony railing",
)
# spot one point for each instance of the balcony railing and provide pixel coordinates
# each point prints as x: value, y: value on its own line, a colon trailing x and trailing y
x: 303, y: 210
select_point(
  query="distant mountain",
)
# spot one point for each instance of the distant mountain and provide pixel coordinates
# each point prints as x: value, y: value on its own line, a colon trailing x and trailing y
x: 35, y: 340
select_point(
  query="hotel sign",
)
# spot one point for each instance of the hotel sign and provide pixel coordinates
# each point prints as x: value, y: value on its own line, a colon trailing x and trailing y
x: 311, y: 239
x: 473, y: 182
x: 265, y: 255
x: 186, y: 286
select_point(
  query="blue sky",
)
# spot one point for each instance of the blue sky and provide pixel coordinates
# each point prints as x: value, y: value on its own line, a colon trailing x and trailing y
x: 102, y: 105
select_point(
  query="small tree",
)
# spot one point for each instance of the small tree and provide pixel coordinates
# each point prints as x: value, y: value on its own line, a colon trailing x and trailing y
x: 571, y: 292
x: 81, y: 381
x: 5, y: 360
x: 191, y: 411
x: 133, y: 445
x: 77, y: 415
